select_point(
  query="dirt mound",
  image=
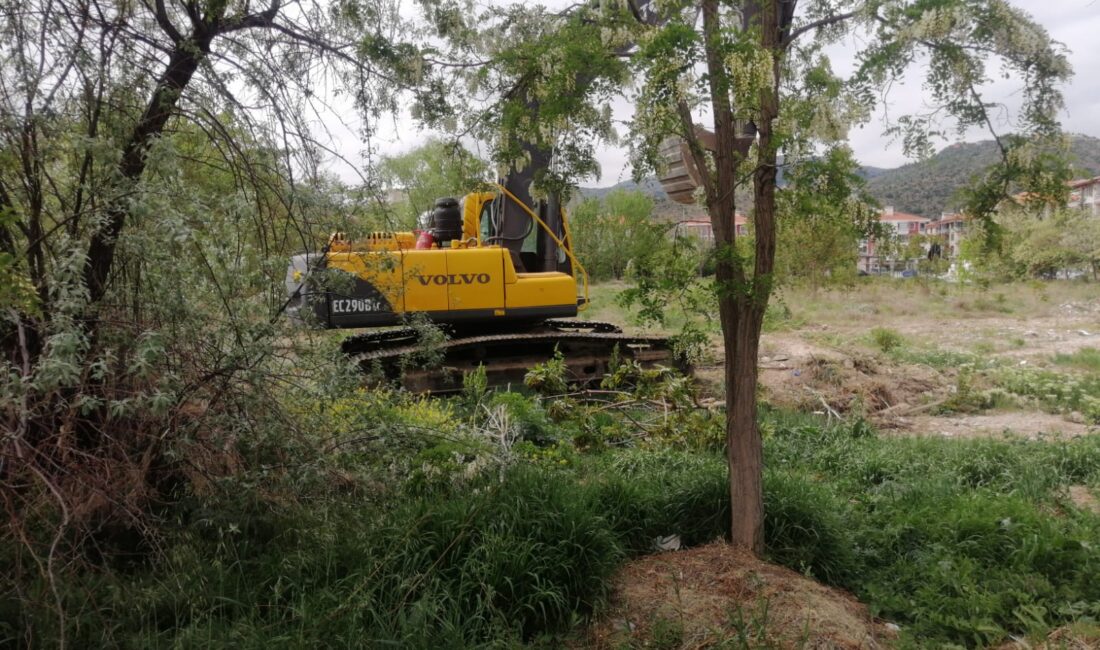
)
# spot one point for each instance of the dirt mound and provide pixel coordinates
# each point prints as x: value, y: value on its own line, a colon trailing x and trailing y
x: 841, y: 386
x: 716, y: 594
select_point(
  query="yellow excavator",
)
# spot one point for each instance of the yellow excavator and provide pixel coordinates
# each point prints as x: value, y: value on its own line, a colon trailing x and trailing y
x: 499, y: 274
x: 496, y: 269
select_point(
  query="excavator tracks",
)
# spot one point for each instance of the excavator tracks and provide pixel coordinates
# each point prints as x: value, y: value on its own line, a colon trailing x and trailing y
x: 587, y: 348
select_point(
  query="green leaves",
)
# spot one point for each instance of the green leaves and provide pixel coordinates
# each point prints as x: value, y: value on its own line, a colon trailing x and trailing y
x: 962, y: 42
x: 435, y: 169
x: 16, y: 289
x: 616, y: 234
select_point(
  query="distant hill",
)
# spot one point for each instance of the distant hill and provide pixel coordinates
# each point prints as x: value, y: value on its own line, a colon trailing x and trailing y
x: 928, y: 187
x: 650, y: 186
x: 663, y: 207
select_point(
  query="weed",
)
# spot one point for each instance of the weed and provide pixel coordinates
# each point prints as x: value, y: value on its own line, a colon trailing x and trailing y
x: 1054, y: 391
x: 943, y: 359
x: 665, y: 634
x: 750, y: 625
x: 1084, y: 359
x: 967, y: 398
x: 549, y: 378
x: 778, y: 317
x: 887, y: 339
x: 475, y: 386
x: 983, y: 348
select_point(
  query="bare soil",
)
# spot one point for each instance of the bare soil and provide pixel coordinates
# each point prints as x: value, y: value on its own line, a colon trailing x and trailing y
x: 829, y: 364
x: 1084, y: 498
x: 716, y: 594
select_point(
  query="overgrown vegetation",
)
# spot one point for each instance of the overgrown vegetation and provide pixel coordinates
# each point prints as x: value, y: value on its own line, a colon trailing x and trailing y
x: 497, y: 518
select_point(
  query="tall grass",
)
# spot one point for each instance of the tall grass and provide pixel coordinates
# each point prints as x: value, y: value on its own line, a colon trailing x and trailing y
x: 504, y: 562
x: 960, y: 541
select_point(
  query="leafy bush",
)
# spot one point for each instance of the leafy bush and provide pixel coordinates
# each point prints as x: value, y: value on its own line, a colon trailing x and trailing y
x: 550, y: 377
x: 614, y: 233
x: 1054, y: 391
x: 887, y: 339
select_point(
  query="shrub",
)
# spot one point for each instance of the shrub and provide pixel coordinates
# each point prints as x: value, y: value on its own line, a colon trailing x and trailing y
x: 887, y: 339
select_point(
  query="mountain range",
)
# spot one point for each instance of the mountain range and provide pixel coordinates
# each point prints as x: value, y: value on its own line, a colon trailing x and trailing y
x: 926, y: 187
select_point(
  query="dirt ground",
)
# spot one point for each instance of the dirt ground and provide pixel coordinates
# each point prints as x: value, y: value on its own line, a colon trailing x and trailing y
x: 827, y: 361
x: 716, y: 594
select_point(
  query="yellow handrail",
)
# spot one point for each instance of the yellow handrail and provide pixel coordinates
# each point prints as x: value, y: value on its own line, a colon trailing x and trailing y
x: 576, y: 264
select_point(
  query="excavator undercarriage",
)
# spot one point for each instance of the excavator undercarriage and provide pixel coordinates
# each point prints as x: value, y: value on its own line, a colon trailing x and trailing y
x: 587, y: 349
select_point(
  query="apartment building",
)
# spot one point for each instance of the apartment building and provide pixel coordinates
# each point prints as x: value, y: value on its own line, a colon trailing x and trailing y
x: 949, y: 229
x: 1084, y: 194
x: 900, y: 226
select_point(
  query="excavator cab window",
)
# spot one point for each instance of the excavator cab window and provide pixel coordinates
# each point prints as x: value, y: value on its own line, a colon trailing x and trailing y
x: 485, y: 221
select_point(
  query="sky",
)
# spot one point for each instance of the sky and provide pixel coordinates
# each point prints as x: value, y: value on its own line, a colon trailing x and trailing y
x: 1074, y: 23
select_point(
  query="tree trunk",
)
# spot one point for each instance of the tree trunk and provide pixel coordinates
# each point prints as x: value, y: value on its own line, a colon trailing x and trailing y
x: 746, y: 300
x: 182, y: 64
x: 739, y: 309
x: 743, y: 445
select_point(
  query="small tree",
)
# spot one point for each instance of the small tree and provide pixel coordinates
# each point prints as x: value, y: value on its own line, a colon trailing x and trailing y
x: 612, y: 232
x: 822, y: 216
x: 435, y: 169
x: 768, y: 89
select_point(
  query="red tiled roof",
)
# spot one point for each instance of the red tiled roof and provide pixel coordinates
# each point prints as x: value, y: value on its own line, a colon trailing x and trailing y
x: 901, y: 216
x: 1081, y: 182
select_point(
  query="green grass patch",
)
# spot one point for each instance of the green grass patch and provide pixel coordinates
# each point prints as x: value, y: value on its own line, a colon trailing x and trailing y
x: 1084, y: 359
x: 959, y: 541
x: 886, y: 339
x: 1054, y: 391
